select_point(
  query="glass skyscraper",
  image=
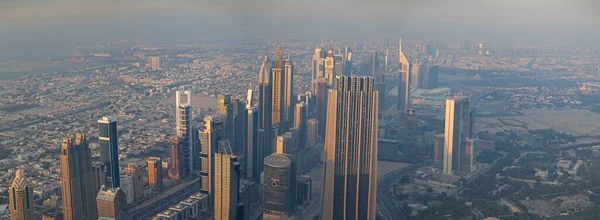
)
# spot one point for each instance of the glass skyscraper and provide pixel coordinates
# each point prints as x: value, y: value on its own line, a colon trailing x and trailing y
x: 109, y: 148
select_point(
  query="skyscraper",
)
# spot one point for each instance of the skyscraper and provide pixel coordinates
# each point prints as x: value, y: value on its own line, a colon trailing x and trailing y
x: 321, y: 93
x: 111, y: 204
x: 278, y: 90
x: 350, y: 177
x: 227, y: 174
x: 213, y: 132
x: 176, y: 159
x: 288, y: 95
x: 285, y: 143
x: 329, y: 66
x: 154, y: 63
x: 265, y: 106
x: 252, y: 150
x: 184, y: 129
x: 318, y: 65
x: 279, y: 187
x: 415, y: 75
x: 312, y: 131
x: 99, y: 172
x: 20, y: 196
x: 300, y: 118
x: 456, y: 132
x: 404, y: 84
x: 155, y: 174
x: 137, y: 173
x: 468, y: 156
x: 76, y: 176
x: 226, y: 107
x: 410, y: 145
x: 438, y: 152
x: 109, y: 148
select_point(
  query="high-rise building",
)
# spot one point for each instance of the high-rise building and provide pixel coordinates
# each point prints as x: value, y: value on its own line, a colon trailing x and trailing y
x: 111, y: 204
x: 99, y: 173
x: 279, y: 187
x: 252, y: 150
x: 300, y: 118
x: 468, y: 156
x: 415, y: 75
x: 438, y: 152
x: 312, y: 131
x: 350, y: 176
x: 410, y: 145
x: 277, y: 83
x: 321, y: 93
x: 265, y: 106
x: 20, y: 195
x: 213, y: 132
x: 288, y: 95
x: 76, y: 176
x: 226, y: 107
x: 155, y: 173
x: 176, y: 159
x: 330, y: 67
x: 457, y: 129
x: 433, y: 77
x: 318, y: 65
x: 109, y: 148
x: 183, y: 126
x: 304, y: 189
x: 285, y: 143
x: 404, y: 83
x: 227, y: 179
x: 154, y: 63
x: 338, y: 69
x: 127, y: 187
x: 137, y: 173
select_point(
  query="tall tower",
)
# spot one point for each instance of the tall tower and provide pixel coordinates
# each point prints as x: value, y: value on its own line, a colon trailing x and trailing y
x: 176, y: 159
x: 227, y: 179
x: 321, y: 93
x: 329, y: 66
x: 312, y: 131
x: 278, y: 82
x: 76, y: 178
x: 109, y: 148
x: 456, y: 131
x: 252, y: 150
x: 213, y: 132
x: 137, y: 173
x: 265, y: 105
x: 318, y: 65
x: 410, y: 149
x: 415, y: 75
x: 300, y: 123
x: 155, y: 174
x: 228, y: 107
x: 184, y: 129
x: 438, y: 152
x: 350, y: 177
x: 288, y: 96
x: 279, y: 187
x: 112, y: 204
x: 404, y: 84
x: 20, y: 196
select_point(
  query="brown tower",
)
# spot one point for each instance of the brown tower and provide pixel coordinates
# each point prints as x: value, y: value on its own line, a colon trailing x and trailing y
x: 137, y: 173
x: 155, y: 174
x: 78, y: 198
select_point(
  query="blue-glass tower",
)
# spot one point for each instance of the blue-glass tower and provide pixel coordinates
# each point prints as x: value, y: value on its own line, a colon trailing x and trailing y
x: 109, y: 148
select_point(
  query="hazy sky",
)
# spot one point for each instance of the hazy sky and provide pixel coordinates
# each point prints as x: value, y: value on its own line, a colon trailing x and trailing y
x: 492, y: 20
